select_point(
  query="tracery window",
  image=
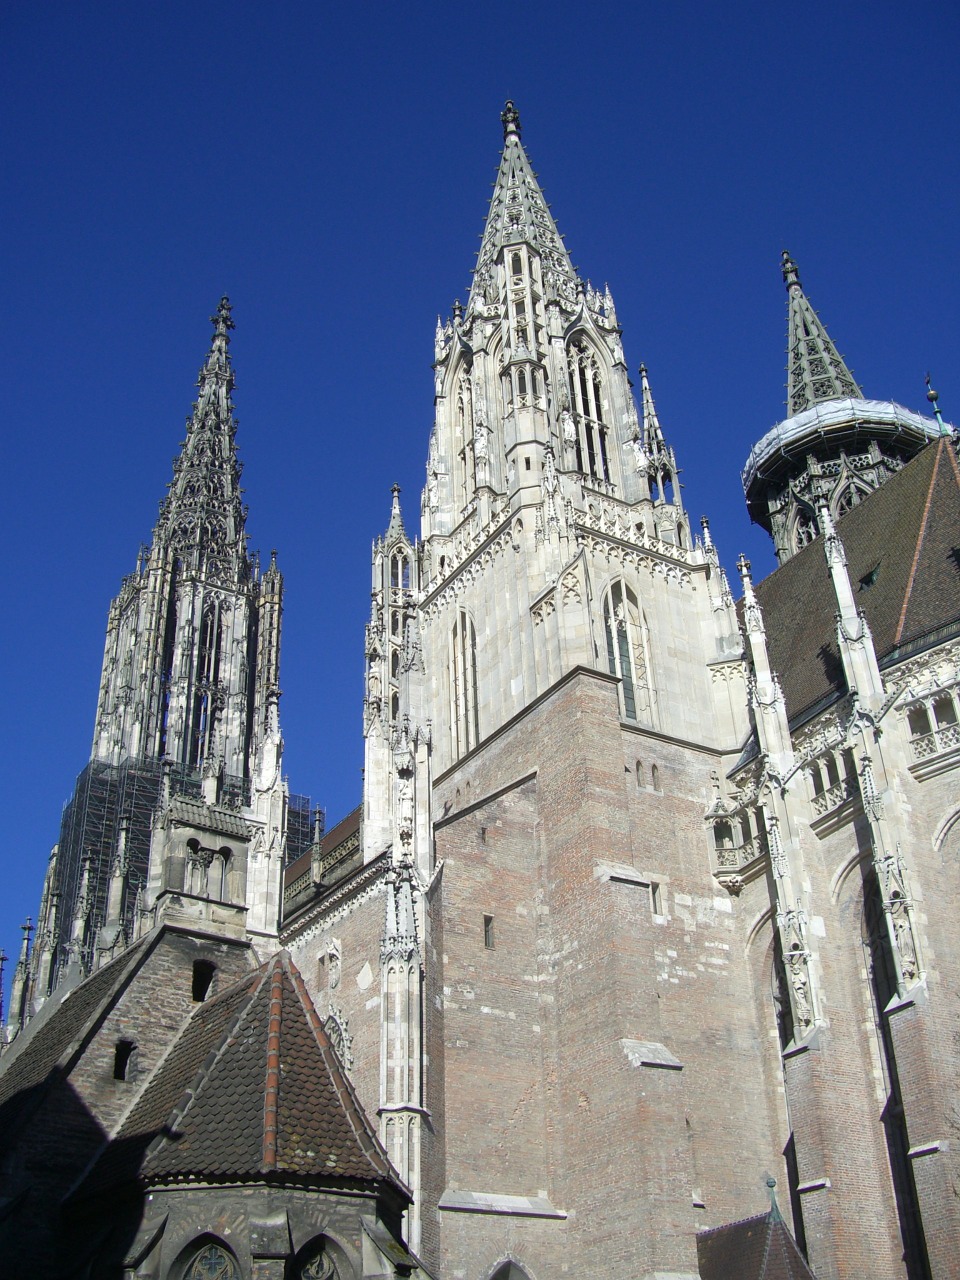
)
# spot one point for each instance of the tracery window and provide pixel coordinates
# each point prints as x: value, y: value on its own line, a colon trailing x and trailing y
x: 804, y: 529
x: 464, y: 716
x: 586, y: 401
x: 848, y: 499
x: 317, y: 1263
x: 213, y: 1262
x: 206, y: 695
x: 627, y: 658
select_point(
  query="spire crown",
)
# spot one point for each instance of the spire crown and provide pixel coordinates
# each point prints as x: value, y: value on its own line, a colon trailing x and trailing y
x: 815, y: 369
x: 791, y: 275
x: 202, y: 518
x: 519, y: 215
x: 510, y: 119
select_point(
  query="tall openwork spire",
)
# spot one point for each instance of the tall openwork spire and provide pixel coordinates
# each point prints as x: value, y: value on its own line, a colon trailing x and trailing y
x: 815, y: 369
x: 202, y: 518
x: 519, y: 215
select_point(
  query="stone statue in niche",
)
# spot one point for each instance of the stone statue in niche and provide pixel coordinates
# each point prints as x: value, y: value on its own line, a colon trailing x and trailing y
x: 640, y: 455
x: 405, y: 808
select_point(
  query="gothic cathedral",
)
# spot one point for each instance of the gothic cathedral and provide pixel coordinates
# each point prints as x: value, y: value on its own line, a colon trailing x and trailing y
x: 639, y: 956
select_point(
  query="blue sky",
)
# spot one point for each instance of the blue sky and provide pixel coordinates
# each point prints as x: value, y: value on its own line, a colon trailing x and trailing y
x: 329, y: 166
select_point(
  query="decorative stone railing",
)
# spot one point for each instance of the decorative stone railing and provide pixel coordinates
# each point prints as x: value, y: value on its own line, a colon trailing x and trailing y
x: 611, y: 518
x: 931, y: 744
x: 833, y: 797
x: 728, y: 859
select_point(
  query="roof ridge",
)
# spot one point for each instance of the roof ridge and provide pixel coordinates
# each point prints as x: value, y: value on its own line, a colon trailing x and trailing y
x: 200, y: 1077
x: 771, y: 1220
x: 934, y: 471
x: 363, y: 1132
x: 271, y: 1091
x: 738, y: 1222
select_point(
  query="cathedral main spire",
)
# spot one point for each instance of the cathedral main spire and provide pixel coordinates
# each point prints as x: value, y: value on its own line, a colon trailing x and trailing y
x: 815, y: 369
x: 519, y: 215
x: 202, y: 518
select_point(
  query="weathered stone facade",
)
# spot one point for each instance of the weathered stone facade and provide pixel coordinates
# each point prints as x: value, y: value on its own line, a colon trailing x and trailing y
x: 651, y: 898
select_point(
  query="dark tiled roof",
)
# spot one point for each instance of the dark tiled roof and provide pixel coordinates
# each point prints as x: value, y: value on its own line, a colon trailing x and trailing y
x: 51, y: 1039
x: 902, y: 544
x: 758, y: 1248
x: 251, y: 1088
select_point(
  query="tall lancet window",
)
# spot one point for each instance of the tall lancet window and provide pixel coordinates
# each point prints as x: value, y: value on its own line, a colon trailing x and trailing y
x: 586, y: 401
x: 464, y: 713
x: 627, y: 651
x: 464, y: 429
x: 206, y: 692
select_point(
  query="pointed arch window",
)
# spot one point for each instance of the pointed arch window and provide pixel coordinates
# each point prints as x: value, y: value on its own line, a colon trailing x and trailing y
x: 212, y: 1262
x: 464, y: 713
x: 586, y: 400
x: 804, y: 529
x: 206, y: 686
x: 625, y: 633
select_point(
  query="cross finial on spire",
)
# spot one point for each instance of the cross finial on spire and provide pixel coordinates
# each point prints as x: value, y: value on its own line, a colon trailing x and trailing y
x: 510, y: 118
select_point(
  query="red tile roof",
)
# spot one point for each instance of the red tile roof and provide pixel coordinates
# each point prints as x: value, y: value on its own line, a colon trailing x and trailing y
x: 902, y: 544
x: 251, y: 1088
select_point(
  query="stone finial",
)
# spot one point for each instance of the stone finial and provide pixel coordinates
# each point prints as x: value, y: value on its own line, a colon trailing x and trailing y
x: 791, y: 274
x: 222, y: 321
x: 743, y: 567
x: 934, y: 398
x: 510, y: 119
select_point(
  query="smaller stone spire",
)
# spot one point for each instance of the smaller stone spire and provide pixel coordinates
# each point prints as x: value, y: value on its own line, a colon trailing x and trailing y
x: 815, y: 369
x: 653, y: 440
x: 19, y: 995
x: 660, y: 462
x: 395, y: 528
x: 510, y: 119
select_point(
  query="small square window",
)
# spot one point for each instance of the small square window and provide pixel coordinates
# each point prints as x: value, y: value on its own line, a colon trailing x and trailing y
x: 488, y: 932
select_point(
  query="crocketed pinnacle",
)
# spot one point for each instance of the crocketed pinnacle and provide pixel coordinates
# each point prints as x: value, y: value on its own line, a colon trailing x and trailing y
x: 519, y: 215
x: 815, y: 369
x: 202, y: 518
x: 654, y: 445
x: 395, y: 529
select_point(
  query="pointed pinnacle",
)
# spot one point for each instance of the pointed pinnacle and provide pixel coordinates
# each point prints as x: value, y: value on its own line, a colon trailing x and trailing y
x: 395, y: 527
x: 654, y: 441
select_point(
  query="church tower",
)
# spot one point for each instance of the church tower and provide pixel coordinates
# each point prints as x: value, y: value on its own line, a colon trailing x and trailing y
x: 186, y: 715
x: 554, y: 673
x: 834, y: 446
